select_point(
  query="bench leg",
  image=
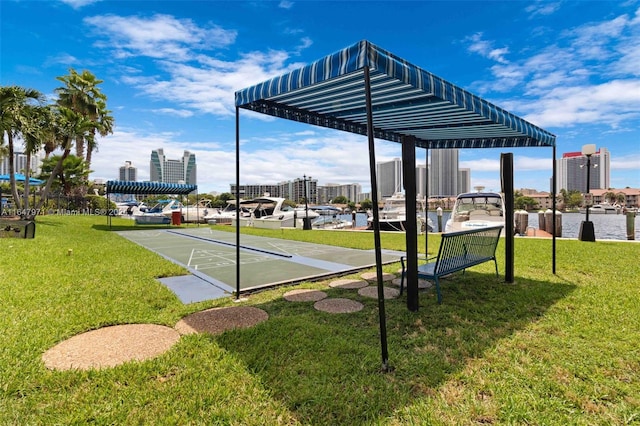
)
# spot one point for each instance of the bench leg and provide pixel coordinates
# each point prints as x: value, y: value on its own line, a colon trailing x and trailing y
x: 496, y: 263
x: 439, y: 295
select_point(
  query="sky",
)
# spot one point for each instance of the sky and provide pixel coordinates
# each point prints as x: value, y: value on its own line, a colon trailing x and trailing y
x: 170, y: 70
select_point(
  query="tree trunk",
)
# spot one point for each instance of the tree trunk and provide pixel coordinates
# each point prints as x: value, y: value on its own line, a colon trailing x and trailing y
x: 12, y: 173
x: 80, y: 147
x: 27, y: 176
x: 47, y: 188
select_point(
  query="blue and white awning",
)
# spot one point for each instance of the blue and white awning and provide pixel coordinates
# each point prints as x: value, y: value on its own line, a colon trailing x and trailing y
x: 406, y: 101
x: 151, y: 188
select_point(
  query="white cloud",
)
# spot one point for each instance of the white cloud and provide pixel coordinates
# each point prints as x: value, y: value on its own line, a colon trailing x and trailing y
x: 485, y: 48
x: 586, y: 77
x: 159, y: 36
x: 77, y: 4
x: 542, y: 8
x: 326, y: 155
x: 609, y: 104
x: 175, y: 112
x: 285, y: 4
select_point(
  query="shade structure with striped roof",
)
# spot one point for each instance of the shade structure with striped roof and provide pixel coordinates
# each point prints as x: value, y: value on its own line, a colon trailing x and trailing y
x: 366, y: 90
x: 159, y: 188
x: 406, y: 101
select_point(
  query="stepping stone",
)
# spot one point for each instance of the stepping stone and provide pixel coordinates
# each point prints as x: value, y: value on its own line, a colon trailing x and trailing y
x: 304, y: 295
x: 422, y: 284
x: 218, y: 320
x: 372, y: 292
x: 348, y: 284
x: 373, y: 276
x: 110, y: 346
x: 338, y: 305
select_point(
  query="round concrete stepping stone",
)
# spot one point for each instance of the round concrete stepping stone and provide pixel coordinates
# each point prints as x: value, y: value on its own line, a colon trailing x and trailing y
x: 348, y: 283
x: 422, y: 284
x: 373, y: 276
x: 338, y: 305
x: 372, y: 292
x: 110, y: 346
x: 304, y: 295
x: 218, y: 320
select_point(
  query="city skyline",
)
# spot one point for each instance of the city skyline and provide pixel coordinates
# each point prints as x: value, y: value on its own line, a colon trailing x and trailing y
x: 170, y: 70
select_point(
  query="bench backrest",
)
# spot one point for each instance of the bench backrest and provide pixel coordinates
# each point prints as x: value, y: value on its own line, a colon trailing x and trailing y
x: 462, y: 249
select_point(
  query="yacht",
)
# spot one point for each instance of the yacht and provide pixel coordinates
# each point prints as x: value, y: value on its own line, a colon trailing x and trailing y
x: 602, y: 208
x: 393, y: 216
x: 473, y: 210
x: 269, y: 212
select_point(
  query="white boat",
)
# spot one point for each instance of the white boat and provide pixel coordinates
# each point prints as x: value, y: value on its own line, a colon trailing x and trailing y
x: 326, y: 210
x: 393, y: 216
x: 602, y: 208
x: 473, y: 210
x: 190, y: 213
x: 325, y: 221
x: 269, y: 212
x: 224, y: 216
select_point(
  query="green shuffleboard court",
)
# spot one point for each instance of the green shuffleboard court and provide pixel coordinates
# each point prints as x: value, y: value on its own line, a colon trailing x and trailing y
x: 264, y: 262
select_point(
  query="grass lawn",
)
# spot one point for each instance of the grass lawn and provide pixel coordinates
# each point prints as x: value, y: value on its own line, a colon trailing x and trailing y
x: 546, y: 350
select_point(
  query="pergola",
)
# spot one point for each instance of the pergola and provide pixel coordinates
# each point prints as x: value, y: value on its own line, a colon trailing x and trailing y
x: 366, y: 90
x: 148, y: 188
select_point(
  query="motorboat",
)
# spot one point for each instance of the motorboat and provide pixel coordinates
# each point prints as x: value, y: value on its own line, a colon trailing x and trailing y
x: 393, y: 216
x: 269, y: 212
x: 602, y: 208
x: 325, y: 221
x: 226, y: 215
x: 326, y: 210
x: 473, y: 210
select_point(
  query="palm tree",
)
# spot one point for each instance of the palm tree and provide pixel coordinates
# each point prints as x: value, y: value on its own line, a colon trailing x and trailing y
x: 16, y: 120
x: 67, y: 127
x: 104, y: 126
x: 82, y: 95
x: 609, y: 196
x: 34, y: 133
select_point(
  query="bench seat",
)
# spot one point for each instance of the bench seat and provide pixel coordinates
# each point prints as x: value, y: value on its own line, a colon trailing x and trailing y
x: 458, y: 251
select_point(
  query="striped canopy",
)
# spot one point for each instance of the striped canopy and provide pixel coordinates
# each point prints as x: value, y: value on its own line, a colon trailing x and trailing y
x: 126, y: 187
x: 406, y: 101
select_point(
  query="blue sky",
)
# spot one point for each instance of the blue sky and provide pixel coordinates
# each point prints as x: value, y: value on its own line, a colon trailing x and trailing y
x: 170, y: 70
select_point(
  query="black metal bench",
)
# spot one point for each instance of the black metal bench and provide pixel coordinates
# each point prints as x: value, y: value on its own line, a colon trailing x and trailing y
x: 458, y: 251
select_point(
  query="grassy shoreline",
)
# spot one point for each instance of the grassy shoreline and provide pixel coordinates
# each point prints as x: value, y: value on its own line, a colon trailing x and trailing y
x: 547, y: 349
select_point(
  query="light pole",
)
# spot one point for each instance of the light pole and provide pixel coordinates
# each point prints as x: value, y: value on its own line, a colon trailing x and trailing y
x: 587, y: 232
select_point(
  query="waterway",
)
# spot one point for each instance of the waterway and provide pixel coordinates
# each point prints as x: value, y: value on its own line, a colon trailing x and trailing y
x: 606, y: 226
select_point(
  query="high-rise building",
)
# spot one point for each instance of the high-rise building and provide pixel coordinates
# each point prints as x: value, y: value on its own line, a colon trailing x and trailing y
x: 291, y: 190
x: 330, y: 191
x: 389, y: 178
x: 422, y: 174
x: 572, y: 172
x: 20, y: 163
x: 464, y: 180
x: 128, y: 172
x: 173, y: 171
x: 444, y: 173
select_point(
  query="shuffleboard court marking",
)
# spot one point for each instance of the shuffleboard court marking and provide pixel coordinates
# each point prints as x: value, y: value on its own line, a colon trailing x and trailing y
x: 211, y: 256
x: 226, y: 243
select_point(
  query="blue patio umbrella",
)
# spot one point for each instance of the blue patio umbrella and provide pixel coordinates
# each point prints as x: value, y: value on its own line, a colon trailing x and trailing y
x: 21, y: 178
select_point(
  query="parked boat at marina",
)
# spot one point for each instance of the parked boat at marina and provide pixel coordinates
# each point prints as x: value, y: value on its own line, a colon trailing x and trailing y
x: 473, y: 210
x: 269, y: 212
x: 393, y: 216
x: 602, y: 208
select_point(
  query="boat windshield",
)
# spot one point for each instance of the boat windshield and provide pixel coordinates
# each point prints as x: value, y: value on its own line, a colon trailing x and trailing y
x: 484, y: 202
